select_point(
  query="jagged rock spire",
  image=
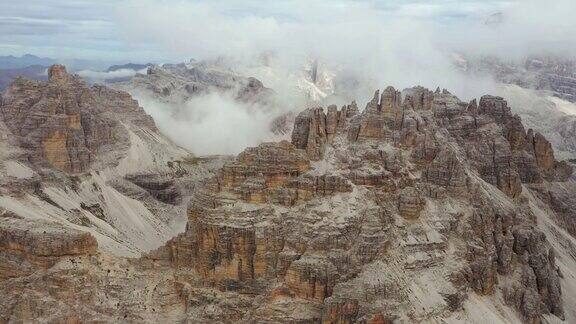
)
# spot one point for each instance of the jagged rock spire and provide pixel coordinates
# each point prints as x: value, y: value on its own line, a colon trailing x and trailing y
x: 57, y: 73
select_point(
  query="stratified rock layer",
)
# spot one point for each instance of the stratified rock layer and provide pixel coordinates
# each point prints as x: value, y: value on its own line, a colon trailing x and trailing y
x: 28, y: 246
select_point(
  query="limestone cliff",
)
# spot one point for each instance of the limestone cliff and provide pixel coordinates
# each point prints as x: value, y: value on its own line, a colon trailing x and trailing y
x: 89, y: 159
x: 65, y: 124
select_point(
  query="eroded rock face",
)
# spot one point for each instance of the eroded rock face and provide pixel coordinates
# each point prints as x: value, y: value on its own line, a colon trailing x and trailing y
x: 275, y: 162
x: 66, y: 125
x: 313, y: 128
x: 178, y: 83
x: 57, y: 73
x: 332, y: 217
x: 27, y: 246
x: 399, y: 212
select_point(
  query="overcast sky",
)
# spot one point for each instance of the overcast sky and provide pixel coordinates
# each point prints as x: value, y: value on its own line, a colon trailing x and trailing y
x: 102, y: 28
x: 141, y: 30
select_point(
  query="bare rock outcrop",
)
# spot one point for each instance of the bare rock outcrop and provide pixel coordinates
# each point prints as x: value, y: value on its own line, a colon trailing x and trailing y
x: 313, y: 128
x: 177, y: 83
x: 27, y: 246
x: 400, y: 212
x: 67, y: 125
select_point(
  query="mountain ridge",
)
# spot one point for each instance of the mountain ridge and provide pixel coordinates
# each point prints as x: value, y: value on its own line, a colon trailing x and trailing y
x: 420, y: 207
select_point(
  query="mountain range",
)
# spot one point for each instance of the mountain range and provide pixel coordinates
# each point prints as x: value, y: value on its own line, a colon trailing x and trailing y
x: 420, y: 207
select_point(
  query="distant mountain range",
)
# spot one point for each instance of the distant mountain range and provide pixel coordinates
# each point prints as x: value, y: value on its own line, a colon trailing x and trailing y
x: 14, y: 62
x: 74, y: 64
x: 128, y: 66
x: 32, y: 72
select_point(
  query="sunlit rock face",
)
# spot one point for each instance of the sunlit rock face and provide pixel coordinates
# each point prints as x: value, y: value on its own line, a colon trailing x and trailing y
x: 26, y: 247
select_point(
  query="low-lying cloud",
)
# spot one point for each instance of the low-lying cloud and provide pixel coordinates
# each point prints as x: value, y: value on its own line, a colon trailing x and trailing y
x: 213, y: 123
x: 376, y: 43
x: 102, y: 76
x: 402, y: 43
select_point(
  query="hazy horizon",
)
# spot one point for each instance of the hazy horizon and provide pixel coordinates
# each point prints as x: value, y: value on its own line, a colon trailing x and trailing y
x: 176, y: 30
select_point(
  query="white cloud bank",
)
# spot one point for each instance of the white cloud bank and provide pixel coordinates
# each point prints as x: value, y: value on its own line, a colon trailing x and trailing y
x: 380, y: 43
x: 213, y: 123
x: 390, y: 42
x: 101, y: 76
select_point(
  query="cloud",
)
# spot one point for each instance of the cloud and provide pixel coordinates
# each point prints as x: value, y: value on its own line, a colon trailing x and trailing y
x: 377, y: 43
x: 343, y: 27
x: 528, y: 27
x: 402, y: 43
x: 213, y: 123
x: 373, y: 42
x: 177, y: 29
x: 101, y: 76
x: 66, y: 29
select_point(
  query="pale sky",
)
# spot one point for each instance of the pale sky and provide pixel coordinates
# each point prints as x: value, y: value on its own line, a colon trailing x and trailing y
x: 141, y: 30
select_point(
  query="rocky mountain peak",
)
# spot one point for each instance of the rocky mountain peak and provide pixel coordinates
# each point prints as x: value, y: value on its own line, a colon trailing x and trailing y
x: 66, y: 124
x: 419, y: 187
x: 177, y: 83
x: 57, y: 73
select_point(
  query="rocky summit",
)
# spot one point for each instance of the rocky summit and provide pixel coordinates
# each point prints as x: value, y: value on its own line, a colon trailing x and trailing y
x: 177, y: 83
x: 418, y: 208
x: 64, y: 124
